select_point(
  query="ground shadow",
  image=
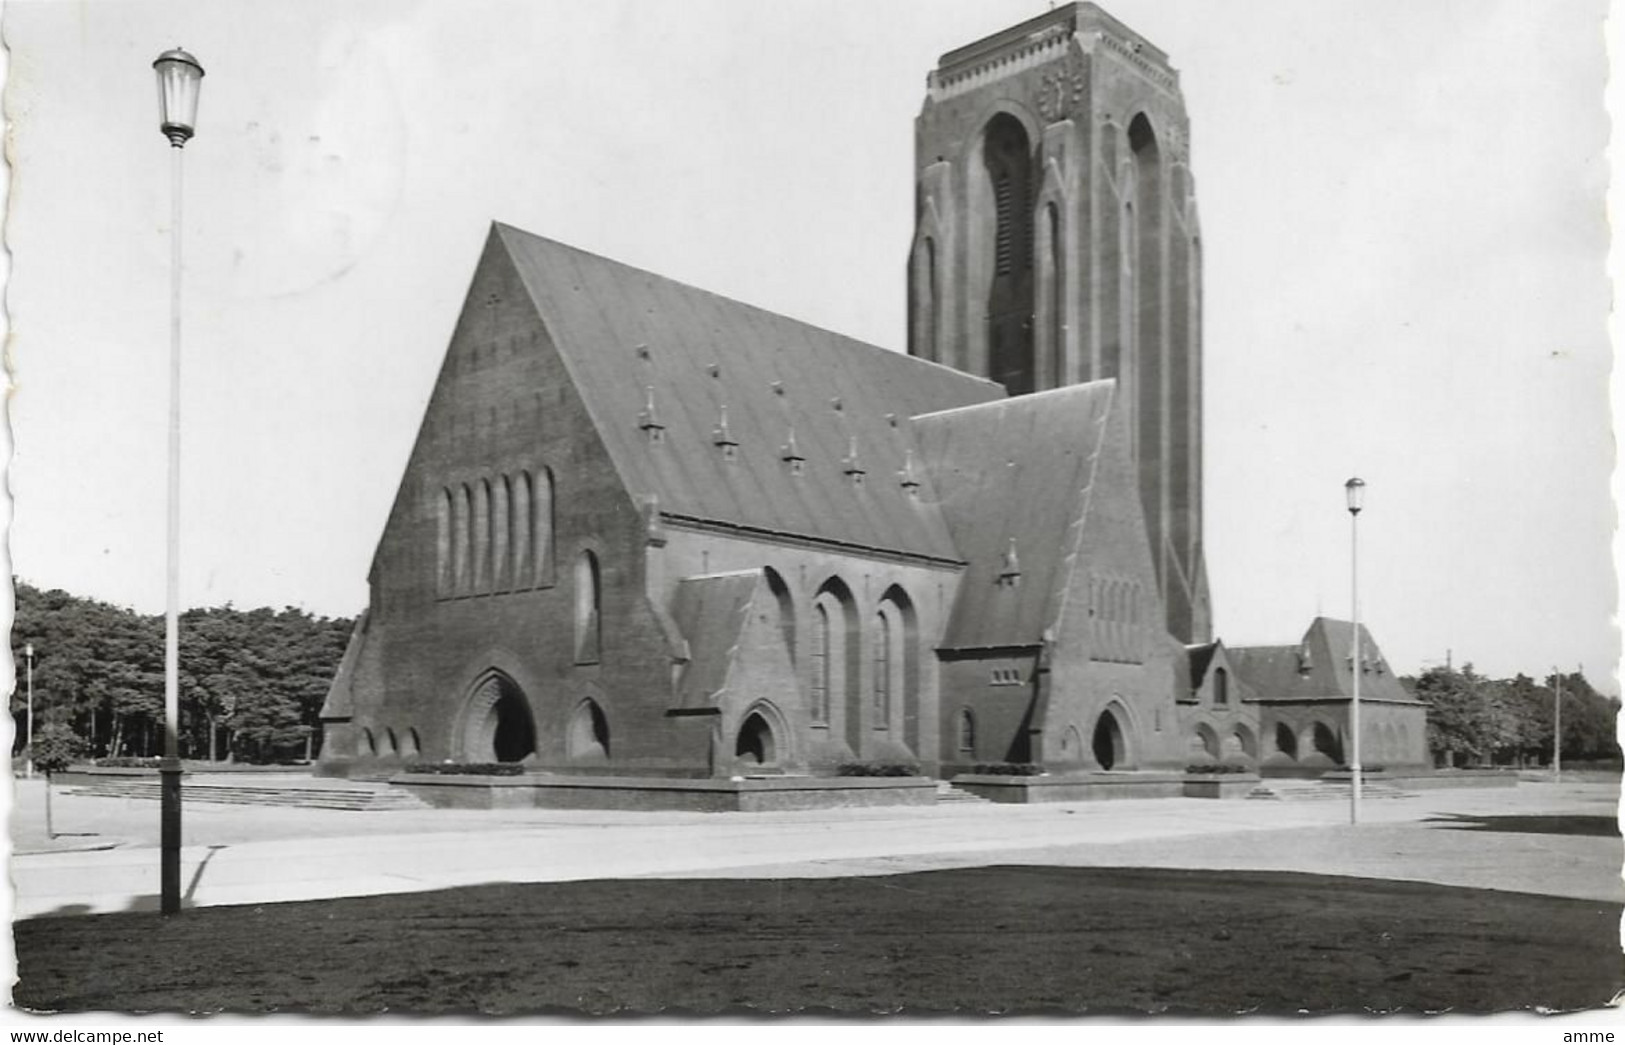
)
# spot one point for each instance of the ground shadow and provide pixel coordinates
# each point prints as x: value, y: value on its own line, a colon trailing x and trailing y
x: 153, y: 902
x: 1589, y: 826
x: 1006, y: 939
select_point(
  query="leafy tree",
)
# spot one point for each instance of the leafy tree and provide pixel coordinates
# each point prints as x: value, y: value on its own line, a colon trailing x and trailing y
x: 56, y: 747
x: 1462, y: 724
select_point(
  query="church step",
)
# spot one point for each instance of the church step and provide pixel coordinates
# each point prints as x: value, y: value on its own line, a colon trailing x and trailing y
x: 947, y: 792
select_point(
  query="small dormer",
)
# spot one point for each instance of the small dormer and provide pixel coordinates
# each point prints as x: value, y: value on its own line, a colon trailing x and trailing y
x: 722, y: 436
x: 791, y: 455
x: 1010, y: 568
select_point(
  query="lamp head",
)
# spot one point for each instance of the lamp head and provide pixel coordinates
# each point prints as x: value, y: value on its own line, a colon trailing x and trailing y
x: 28, y: 650
x: 179, y: 76
x: 1354, y: 490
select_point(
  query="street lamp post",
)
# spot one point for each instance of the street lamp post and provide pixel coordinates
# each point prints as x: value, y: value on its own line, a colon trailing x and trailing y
x: 28, y: 655
x: 1354, y: 491
x: 1557, y: 729
x: 179, y: 76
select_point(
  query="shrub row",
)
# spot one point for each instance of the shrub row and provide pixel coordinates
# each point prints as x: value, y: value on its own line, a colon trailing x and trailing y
x: 127, y: 762
x: 468, y: 768
x: 1219, y: 769
x: 1008, y: 769
x: 876, y: 769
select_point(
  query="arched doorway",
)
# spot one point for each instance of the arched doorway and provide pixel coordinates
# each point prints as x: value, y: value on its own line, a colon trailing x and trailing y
x: 1071, y: 746
x: 497, y: 726
x: 1326, y: 743
x: 588, y: 736
x: 1110, y: 747
x: 756, y: 745
x: 1206, y: 742
x: 1242, y: 744
x: 1286, y: 741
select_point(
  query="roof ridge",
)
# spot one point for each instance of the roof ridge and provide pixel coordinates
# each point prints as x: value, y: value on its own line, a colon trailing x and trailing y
x: 849, y: 339
x: 1092, y: 388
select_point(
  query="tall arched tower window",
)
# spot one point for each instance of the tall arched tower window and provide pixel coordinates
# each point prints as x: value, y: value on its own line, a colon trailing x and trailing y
x: 926, y: 297
x: 1007, y: 155
x: 588, y: 608
x: 1150, y: 349
x: 1050, y: 303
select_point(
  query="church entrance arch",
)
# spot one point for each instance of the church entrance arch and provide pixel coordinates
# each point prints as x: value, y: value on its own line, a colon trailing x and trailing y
x: 1110, y: 743
x: 756, y: 745
x: 497, y: 723
x: 1286, y: 741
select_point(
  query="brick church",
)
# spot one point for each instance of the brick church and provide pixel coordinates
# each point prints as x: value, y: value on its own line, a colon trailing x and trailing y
x: 646, y: 530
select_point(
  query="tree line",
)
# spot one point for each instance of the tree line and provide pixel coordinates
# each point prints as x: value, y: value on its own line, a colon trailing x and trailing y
x: 1473, y: 720
x: 251, y: 682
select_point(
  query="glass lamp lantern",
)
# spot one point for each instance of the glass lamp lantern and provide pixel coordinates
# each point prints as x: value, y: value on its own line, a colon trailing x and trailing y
x: 179, y: 76
x: 1354, y: 490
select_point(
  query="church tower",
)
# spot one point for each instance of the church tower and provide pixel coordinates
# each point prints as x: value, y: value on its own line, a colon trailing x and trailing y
x: 1056, y: 242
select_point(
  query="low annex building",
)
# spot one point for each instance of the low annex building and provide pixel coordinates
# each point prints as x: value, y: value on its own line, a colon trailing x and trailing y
x: 646, y: 530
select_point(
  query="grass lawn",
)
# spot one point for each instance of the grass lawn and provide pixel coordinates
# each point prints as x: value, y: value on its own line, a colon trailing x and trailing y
x: 993, y: 939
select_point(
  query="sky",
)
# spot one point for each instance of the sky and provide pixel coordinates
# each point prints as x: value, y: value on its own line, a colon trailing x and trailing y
x: 1402, y: 208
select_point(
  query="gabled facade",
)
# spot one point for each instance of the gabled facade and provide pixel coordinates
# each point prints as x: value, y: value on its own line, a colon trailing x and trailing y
x: 1305, y: 694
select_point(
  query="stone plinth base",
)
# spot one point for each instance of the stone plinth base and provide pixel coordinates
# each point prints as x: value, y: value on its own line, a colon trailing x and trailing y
x: 749, y: 795
x: 1072, y: 787
x: 1220, y: 785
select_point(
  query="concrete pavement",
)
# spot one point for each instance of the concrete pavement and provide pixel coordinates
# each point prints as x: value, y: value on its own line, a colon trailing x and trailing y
x: 249, y: 855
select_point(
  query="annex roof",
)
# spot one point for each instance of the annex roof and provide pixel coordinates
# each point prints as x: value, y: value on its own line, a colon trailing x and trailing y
x: 737, y: 393
x: 1317, y: 666
x: 1015, y: 478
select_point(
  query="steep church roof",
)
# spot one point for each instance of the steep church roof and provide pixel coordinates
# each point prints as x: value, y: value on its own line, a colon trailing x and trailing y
x: 1015, y: 478
x: 736, y: 395
x: 1318, y: 666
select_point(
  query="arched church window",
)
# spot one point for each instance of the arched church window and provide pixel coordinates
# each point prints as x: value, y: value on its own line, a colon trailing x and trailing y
x: 519, y: 508
x: 442, y: 543
x: 482, y: 537
x: 588, y: 608
x: 501, y: 493
x: 462, y: 531
x: 1221, y: 686
x: 882, y: 642
x: 820, y: 663
x: 541, y: 527
x: 967, y: 732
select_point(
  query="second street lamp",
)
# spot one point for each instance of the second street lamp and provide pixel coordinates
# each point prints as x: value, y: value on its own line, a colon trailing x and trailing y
x: 1354, y: 492
x: 179, y: 77
x: 28, y: 655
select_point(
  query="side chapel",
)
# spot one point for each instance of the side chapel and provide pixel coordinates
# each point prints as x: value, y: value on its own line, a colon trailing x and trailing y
x: 648, y: 530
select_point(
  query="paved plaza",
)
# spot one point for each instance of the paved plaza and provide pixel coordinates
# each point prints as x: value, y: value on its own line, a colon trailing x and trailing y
x: 1540, y: 837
